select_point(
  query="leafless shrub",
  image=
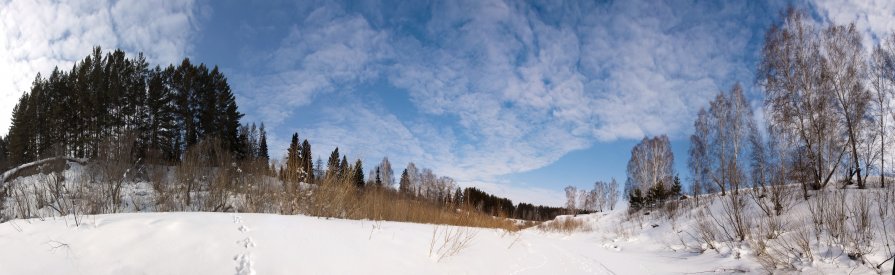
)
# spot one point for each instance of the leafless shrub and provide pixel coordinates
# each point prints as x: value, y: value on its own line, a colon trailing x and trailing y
x: 733, y: 222
x: 22, y: 204
x: 61, y: 199
x: 112, y: 167
x: 817, y: 208
x: 769, y: 245
x: 566, y: 225
x: 222, y: 181
x: 835, y: 216
x: 775, y: 199
x: 784, y: 251
x: 671, y: 209
x: 802, y: 239
x: 450, y: 240
x: 261, y: 192
x: 188, y: 173
x: 770, y: 227
x: 208, y: 178
x: 705, y: 230
x: 769, y: 254
x: 164, y: 191
x: 884, y: 208
x: 860, y: 237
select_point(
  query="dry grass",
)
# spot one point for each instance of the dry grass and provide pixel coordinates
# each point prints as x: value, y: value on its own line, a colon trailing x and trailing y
x: 210, y: 179
x: 450, y: 240
x: 564, y: 224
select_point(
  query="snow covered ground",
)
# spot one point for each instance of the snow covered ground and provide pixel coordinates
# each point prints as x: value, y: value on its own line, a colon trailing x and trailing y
x: 243, y: 243
x: 237, y: 243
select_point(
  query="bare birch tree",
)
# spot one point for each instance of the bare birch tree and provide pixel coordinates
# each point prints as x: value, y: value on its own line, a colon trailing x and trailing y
x: 698, y: 161
x: 843, y: 71
x: 719, y: 143
x: 571, y: 193
x: 612, y: 194
x: 791, y: 73
x: 651, y: 163
x: 881, y: 72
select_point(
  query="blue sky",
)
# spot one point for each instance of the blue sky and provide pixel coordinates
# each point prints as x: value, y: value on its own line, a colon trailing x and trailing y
x: 520, y: 98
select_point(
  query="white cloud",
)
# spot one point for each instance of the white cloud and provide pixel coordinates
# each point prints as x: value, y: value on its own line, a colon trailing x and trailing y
x: 528, y: 86
x: 875, y: 18
x: 36, y: 36
x: 370, y: 135
x: 512, y: 87
x: 329, y: 49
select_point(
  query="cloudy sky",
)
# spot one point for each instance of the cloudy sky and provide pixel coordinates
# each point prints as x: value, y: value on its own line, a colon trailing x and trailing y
x: 518, y: 98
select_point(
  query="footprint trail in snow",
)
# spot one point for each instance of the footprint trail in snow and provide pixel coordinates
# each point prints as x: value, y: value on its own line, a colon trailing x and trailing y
x: 244, y: 261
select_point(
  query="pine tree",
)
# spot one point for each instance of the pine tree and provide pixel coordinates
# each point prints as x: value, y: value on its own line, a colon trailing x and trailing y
x: 635, y: 199
x: 332, y: 165
x: 244, y: 151
x: 20, y: 133
x: 404, y: 184
x: 656, y: 194
x: 359, y: 174
x: 307, y: 164
x: 262, y: 144
x: 160, y: 125
x: 293, y: 161
x: 344, y: 168
x: 676, y: 189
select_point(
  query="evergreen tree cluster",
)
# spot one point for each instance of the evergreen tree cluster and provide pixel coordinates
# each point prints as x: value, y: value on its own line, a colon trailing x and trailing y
x: 111, y: 96
x: 531, y: 212
x: 498, y: 206
x: 299, y: 162
x: 655, y: 195
x: 487, y: 203
x: 253, y: 141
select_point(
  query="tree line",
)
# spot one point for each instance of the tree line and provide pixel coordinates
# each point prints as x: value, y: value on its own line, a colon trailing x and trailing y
x: 111, y: 96
x: 413, y: 183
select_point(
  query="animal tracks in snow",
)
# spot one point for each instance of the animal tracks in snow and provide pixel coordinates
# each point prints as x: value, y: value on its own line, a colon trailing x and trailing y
x: 246, y: 243
x: 244, y: 264
x: 244, y: 261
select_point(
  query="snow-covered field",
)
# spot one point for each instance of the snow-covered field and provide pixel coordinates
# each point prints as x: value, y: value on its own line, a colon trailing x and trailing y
x: 244, y: 243
x: 240, y: 243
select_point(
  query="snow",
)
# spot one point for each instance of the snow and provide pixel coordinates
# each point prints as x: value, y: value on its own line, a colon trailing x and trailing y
x: 229, y: 243
x: 246, y: 243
